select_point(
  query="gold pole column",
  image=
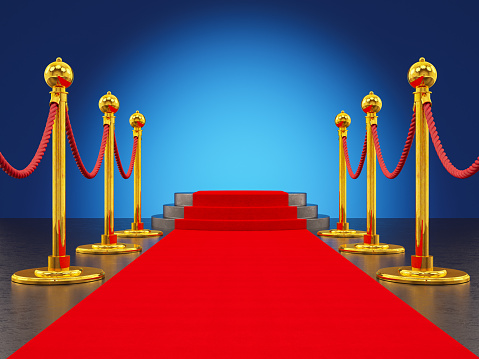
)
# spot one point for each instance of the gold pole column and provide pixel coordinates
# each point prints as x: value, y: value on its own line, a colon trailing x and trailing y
x: 59, y: 260
x: 137, y: 121
x: 371, y: 104
x: 371, y: 237
x: 137, y: 132
x: 421, y: 76
x: 342, y: 230
x: 109, y: 105
x: 108, y: 238
x: 58, y: 75
x: 422, y: 260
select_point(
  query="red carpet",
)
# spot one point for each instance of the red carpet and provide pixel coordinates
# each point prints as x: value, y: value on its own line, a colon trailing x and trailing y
x: 240, y: 211
x: 278, y: 294
x: 242, y: 294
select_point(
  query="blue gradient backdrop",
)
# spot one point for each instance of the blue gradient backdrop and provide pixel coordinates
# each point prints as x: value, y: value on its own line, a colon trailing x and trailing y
x: 239, y: 95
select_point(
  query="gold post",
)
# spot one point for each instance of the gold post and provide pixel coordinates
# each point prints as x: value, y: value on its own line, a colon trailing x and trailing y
x: 59, y: 260
x: 342, y: 224
x: 371, y: 104
x: 137, y: 121
x: 422, y: 261
x: 58, y: 75
x: 371, y: 237
x: 109, y: 216
x: 342, y: 230
x: 422, y: 75
x: 109, y: 105
x: 137, y: 223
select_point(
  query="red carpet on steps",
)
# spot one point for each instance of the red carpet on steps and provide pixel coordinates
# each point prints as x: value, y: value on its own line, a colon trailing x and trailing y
x: 240, y: 211
x: 242, y: 294
x: 240, y: 198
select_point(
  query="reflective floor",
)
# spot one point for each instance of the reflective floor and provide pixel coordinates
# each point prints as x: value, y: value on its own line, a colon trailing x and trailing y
x: 26, y: 310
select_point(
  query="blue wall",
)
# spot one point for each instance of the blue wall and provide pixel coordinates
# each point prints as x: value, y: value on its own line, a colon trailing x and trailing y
x: 239, y: 95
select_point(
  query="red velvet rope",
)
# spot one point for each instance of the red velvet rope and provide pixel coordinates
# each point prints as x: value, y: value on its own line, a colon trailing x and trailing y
x: 76, y: 154
x: 27, y: 171
x: 132, y: 161
x: 468, y: 172
x: 361, y: 161
x: 405, y: 152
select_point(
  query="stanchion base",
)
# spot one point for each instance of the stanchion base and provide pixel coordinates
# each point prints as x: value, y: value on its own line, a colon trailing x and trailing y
x: 438, y: 276
x: 118, y: 248
x: 341, y: 233
x: 43, y: 276
x: 133, y: 233
x: 364, y: 248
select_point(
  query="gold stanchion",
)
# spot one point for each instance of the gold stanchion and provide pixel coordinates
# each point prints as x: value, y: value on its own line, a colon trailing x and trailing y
x: 58, y: 75
x: 422, y: 75
x: 137, y: 121
x: 109, y: 104
x: 371, y: 104
x: 342, y: 230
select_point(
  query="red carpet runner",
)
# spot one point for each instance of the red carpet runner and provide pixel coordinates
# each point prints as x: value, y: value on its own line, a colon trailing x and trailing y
x: 242, y: 294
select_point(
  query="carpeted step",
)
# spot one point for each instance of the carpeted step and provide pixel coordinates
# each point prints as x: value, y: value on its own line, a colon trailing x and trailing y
x: 240, y: 205
x: 186, y: 199
x: 240, y: 225
x: 240, y: 198
x: 170, y: 210
x: 161, y: 223
x: 240, y: 213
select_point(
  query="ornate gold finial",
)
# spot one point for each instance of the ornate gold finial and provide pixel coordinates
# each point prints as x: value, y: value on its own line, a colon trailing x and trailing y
x: 422, y: 73
x: 137, y: 120
x: 371, y: 103
x: 342, y: 120
x: 58, y: 73
x: 109, y: 103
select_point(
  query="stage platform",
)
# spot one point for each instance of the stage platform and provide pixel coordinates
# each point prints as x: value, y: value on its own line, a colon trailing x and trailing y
x: 166, y: 221
x: 27, y: 310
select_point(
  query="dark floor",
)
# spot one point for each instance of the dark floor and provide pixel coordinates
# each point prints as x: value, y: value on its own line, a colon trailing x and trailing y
x: 26, y: 310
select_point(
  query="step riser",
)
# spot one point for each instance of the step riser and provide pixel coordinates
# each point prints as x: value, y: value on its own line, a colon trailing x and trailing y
x: 162, y: 224
x: 240, y: 213
x: 297, y: 199
x: 168, y: 224
x: 309, y: 211
x: 256, y: 225
x: 244, y: 200
x: 172, y: 211
x: 186, y: 199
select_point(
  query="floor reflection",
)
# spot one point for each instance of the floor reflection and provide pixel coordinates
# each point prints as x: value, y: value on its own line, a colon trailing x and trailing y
x: 111, y: 264
x: 371, y: 265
